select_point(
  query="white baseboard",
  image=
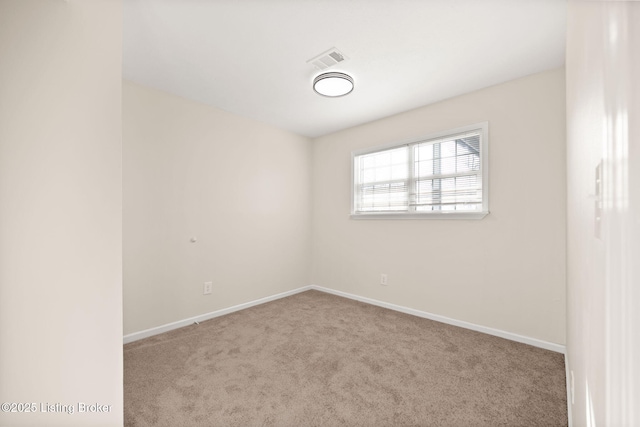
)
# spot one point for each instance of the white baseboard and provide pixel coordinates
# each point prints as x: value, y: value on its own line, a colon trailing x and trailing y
x: 467, y: 325
x: 491, y: 331
x: 201, y: 318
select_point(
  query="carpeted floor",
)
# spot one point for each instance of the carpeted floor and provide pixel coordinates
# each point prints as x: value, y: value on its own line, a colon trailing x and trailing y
x: 315, y: 359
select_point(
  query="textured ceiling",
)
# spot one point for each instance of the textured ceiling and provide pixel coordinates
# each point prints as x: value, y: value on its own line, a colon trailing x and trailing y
x: 250, y: 57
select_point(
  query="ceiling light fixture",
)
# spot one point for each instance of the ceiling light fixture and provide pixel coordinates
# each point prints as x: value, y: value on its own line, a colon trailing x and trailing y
x: 333, y: 84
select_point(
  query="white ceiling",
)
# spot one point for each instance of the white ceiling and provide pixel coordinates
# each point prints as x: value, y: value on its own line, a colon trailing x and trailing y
x: 249, y: 57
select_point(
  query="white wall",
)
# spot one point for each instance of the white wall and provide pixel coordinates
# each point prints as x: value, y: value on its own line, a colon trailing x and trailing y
x: 506, y: 271
x: 240, y: 187
x: 603, y: 126
x: 60, y: 209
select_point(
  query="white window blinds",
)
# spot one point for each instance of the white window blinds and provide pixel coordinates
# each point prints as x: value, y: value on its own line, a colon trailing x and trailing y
x: 383, y: 183
x: 432, y: 175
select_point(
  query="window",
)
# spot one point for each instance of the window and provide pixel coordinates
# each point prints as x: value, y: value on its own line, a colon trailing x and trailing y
x: 441, y: 176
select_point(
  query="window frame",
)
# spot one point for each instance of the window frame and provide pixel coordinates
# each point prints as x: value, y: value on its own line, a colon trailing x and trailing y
x: 482, y: 127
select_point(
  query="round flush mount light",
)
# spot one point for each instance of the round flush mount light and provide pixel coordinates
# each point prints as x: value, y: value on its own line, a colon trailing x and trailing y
x: 333, y: 84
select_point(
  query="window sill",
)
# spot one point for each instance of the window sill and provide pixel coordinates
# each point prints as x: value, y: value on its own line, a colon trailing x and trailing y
x: 430, y: 215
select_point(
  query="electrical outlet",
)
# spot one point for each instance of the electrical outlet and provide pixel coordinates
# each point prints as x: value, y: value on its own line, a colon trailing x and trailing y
x: 208, y: 287
x: 383, y: 279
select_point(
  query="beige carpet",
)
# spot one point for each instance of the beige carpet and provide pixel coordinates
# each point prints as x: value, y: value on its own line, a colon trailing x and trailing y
x: 315, y: 359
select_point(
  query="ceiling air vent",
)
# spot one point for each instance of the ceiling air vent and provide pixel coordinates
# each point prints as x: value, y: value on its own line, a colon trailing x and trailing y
x: 327, y: 59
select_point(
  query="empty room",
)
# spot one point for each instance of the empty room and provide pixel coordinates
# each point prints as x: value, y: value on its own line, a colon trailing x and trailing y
x: 322, y: 213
